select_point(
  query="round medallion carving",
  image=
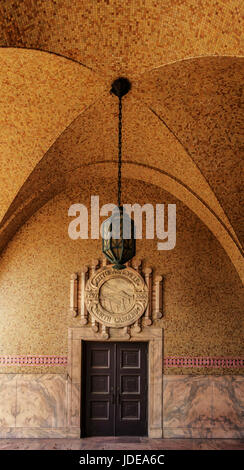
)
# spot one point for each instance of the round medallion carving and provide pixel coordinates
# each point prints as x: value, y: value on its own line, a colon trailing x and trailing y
x: 116, y: 298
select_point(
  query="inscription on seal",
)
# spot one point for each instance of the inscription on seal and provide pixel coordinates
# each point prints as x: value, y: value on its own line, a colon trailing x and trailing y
x: 116, y: 298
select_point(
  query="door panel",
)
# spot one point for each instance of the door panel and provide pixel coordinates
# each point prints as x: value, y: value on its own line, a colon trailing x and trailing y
x: 114, y: 394
x: 131, y: 413
x: 98, y: 389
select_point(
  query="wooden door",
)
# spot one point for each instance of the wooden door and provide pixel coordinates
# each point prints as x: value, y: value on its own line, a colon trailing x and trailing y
x: 114, y: 394
x: 131, y: 381
x: 97, y: 410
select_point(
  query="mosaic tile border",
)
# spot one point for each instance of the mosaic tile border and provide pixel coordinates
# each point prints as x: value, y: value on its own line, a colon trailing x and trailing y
x: 171, y: 361
x: 30, y: 360
x: 195, y: 362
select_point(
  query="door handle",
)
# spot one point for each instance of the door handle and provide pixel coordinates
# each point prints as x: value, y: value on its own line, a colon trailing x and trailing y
x: 113, y: 399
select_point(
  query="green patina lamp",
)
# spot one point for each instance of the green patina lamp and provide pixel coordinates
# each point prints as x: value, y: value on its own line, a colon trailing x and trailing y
x: 118, y: 231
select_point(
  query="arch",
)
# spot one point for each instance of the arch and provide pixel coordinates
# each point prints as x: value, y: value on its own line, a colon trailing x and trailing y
x: 147, y: 174
x: 211, y: 215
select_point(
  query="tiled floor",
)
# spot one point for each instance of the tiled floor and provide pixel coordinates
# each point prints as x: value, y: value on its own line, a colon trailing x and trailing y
x: 121, y: 443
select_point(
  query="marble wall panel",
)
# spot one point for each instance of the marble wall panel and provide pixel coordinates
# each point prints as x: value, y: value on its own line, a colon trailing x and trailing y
x: 228, y: 405
x: 41, y: 401
x: 8, y: 399
x: 203, y: 406
x: 187, y: 402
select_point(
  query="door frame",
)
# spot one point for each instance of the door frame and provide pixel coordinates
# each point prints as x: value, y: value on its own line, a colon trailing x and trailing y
x: 154, y: 337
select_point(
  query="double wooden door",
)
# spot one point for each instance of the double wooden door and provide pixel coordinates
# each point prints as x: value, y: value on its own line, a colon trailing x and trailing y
x: 114, y: 394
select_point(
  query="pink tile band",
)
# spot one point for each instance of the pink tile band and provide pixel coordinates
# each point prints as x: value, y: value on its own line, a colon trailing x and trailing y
x: 216, y: 362
x: 33, y: 360
x: 172, y: 361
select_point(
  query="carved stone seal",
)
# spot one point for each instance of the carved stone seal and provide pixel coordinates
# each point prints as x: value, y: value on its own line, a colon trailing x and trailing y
x: 116, y: 298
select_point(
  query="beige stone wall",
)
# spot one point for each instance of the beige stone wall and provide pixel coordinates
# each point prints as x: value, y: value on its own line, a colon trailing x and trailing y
x: 202, y: 291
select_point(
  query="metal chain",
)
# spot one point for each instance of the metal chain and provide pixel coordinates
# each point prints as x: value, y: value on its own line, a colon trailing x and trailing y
x: 120, y: 151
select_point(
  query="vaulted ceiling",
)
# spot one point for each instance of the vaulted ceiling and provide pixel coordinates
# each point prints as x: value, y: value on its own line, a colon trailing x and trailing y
x: 182, y: 118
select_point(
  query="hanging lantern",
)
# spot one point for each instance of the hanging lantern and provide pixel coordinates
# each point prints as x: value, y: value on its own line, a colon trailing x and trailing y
x: 118, y: 234
x: 118, y: 231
